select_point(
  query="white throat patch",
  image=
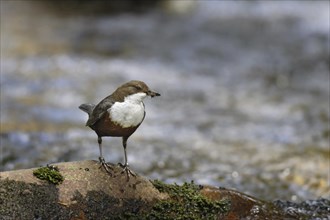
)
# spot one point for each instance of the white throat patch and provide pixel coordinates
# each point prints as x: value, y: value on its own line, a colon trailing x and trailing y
x: 129, y: 113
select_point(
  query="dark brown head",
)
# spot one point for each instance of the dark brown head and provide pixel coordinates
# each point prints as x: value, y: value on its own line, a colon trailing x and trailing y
x: 135, y: 87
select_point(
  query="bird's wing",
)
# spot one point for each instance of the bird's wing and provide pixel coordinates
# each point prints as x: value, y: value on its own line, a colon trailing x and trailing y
x: 99, y: 110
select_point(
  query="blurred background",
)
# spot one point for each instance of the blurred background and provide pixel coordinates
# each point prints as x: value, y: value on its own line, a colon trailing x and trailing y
x: 244, y: 85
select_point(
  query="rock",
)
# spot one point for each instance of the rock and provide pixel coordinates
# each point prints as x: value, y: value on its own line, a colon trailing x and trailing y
x: 87, y: 192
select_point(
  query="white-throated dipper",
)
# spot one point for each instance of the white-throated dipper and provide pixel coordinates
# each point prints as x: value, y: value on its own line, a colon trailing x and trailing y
x: 119, y: 115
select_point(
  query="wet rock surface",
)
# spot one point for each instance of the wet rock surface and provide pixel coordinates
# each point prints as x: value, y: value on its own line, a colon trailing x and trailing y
x: 88, y: 192
x: 309, y: 209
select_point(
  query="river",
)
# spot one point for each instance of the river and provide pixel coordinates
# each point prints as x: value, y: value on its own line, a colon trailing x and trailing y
x: 244, y: 91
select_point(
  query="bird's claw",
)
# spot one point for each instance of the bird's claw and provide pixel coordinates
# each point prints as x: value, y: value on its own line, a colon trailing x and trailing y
x: 127, y: 170
x: 105, y: 166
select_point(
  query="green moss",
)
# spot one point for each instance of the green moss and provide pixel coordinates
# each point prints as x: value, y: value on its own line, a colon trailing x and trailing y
x: 185, y: 202
x: 50, y: 174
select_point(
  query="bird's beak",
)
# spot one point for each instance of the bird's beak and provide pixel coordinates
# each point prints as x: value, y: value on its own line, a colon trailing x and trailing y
x: 152, y: 94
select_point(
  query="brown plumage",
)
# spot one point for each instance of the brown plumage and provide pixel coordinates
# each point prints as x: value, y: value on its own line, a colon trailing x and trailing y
x: 119, y: 115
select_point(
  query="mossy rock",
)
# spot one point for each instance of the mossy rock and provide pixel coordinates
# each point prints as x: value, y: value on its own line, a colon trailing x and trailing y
x: 185, y: 202
x: 49, y: 173
x: 81, y: 190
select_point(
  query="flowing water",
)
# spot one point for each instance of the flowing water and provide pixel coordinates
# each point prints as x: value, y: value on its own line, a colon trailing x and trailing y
x: 244, y: 85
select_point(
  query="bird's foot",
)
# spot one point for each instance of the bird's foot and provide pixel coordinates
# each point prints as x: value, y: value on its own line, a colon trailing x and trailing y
x: 106, y: 166
x: 127, y: 170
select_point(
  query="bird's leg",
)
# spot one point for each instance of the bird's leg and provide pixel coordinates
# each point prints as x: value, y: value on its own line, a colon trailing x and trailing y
x: 125, y: 166
x: 101, y: 159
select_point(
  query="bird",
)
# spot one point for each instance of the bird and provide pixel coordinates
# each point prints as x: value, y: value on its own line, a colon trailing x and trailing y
x: 119, y: 115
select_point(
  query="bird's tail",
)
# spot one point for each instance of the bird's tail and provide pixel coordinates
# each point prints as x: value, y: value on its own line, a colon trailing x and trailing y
x: 88, y: 108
